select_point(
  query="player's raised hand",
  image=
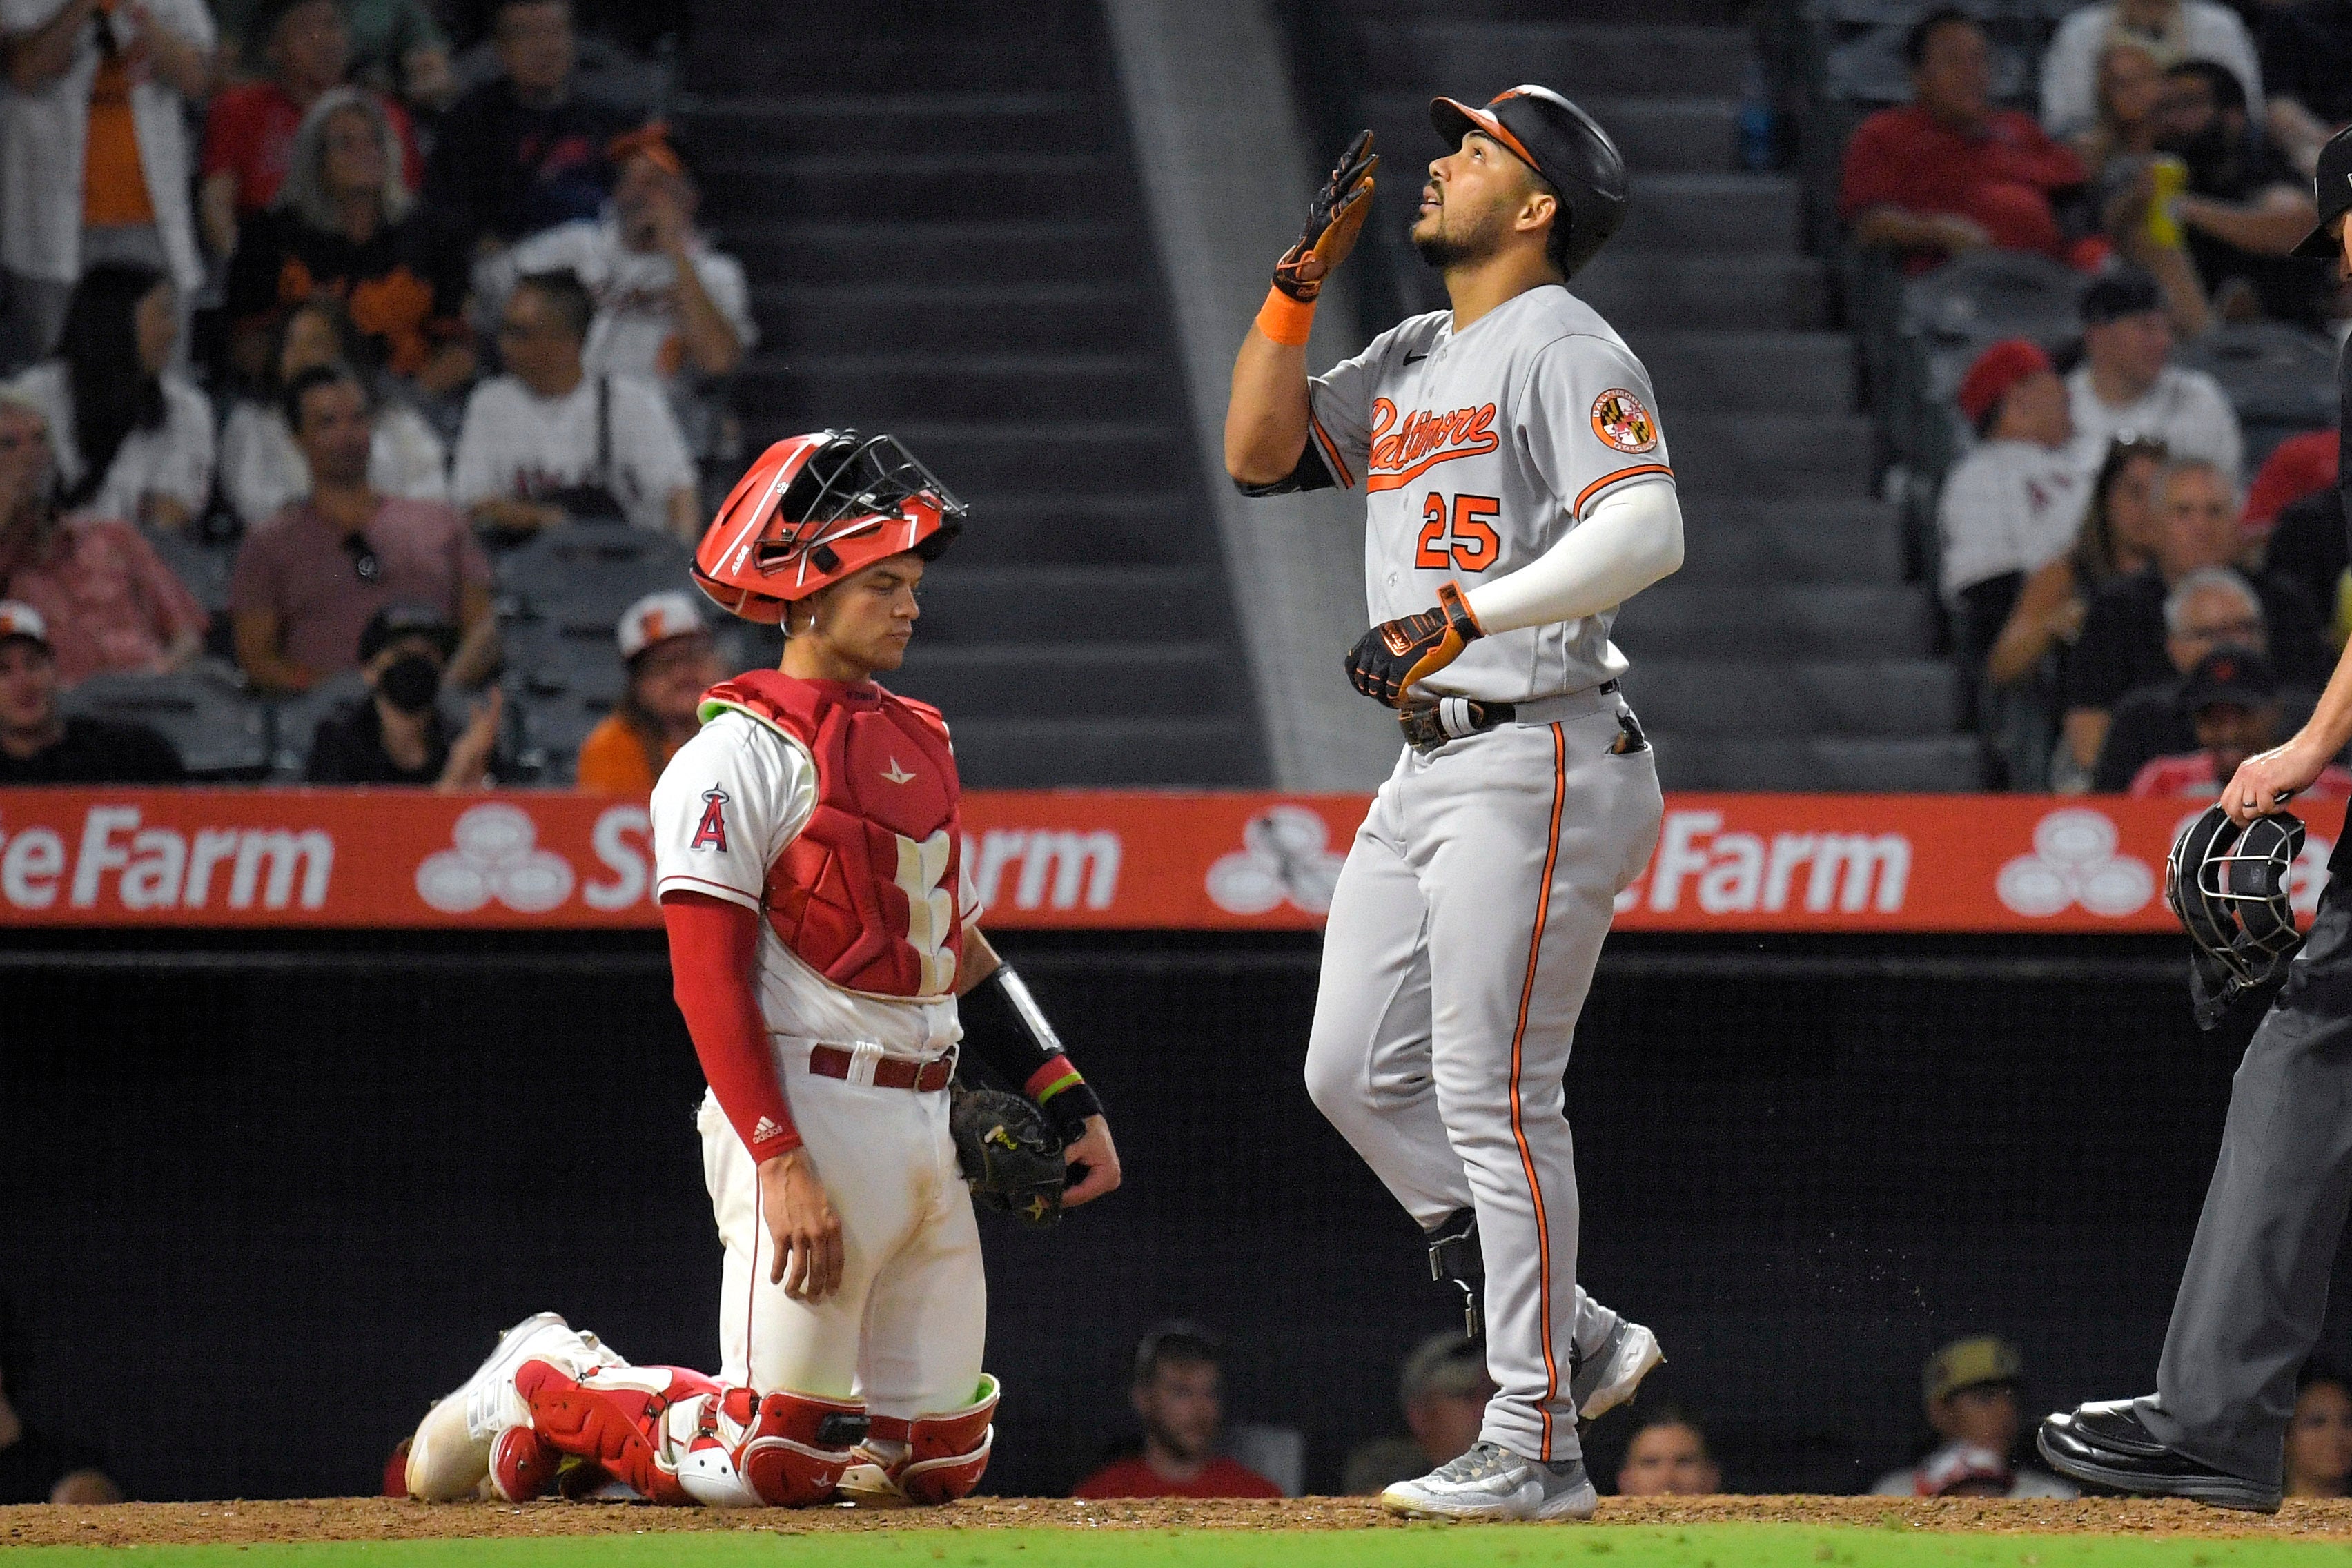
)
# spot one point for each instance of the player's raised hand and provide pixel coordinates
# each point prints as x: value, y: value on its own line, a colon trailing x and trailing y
x: 1395, y: 654
x: 1333, y: 221
x: 805, y: 1226
x: 1094, y: 1153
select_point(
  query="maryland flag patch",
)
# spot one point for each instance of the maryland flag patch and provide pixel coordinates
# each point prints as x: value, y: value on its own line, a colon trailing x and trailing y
x: 1619, y: 419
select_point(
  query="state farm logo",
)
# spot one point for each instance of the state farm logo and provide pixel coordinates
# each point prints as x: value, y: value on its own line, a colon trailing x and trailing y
x: 2074, y: 862
x: 497, y: 857
x: 1286, y: 854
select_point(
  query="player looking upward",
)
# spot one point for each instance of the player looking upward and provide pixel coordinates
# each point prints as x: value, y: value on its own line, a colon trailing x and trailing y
x: 825, y: 951
x: 1513, y: 472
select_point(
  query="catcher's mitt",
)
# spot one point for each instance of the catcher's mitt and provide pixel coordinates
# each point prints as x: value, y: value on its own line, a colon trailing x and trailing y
x: 1009, y: 1154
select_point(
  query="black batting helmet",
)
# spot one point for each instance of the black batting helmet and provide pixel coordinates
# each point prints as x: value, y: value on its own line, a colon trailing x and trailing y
x: 1564, y: 144
x: 2229, y: 886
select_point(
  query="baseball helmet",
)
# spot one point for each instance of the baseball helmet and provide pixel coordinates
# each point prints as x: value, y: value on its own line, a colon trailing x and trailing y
x: 2229, y: 886
x: 817, y: 509
x: 1561, y: 142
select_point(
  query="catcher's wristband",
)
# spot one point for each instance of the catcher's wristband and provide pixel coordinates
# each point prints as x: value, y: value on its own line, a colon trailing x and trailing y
x: 1286, y: 320
x: 1064, y: 1095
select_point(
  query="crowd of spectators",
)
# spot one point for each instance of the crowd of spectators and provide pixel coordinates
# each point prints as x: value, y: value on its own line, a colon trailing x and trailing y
x: 292, y: 282
x: 2098, y: 535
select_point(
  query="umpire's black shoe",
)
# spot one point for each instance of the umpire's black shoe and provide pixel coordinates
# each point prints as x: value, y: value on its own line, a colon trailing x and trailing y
x: 2105, y: 1444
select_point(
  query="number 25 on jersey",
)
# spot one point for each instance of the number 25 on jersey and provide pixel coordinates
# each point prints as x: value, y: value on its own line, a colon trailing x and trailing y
x: 1460, y: 540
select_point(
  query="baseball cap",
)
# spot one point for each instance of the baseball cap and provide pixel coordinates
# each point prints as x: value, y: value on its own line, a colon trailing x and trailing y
x: 394, y: 622
x: 657, y: 618
x: 2236, y: 675
x: 2331, y: 192
x: 1996, y: 373
x: 1965, y: 1363
x: 1960, y: 1463
x: 19, y: 619
x: 2126, y: 292
x: 1444, y: 1362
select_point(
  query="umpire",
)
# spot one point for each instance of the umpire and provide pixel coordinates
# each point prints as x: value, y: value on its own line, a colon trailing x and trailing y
x: 2256, y: 1291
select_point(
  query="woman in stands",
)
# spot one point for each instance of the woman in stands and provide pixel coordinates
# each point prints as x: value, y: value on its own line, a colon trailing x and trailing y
x: 2319, y: 1438
x: 262, y: 470
x: 2117, y: 537
x: 2131, y: 79
x: 132, y: 440
x: 347, y: 227
x: 671, y: 662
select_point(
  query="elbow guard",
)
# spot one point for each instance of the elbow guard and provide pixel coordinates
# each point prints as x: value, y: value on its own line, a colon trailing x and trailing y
x: 1004, y: 1028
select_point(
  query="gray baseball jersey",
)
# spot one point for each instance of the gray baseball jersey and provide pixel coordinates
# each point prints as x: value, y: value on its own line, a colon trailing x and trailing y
x: 1475, y: 451
x: 1471, y: 909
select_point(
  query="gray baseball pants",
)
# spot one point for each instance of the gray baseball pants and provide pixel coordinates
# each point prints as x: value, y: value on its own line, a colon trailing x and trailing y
x: 2254, y: 1294
x: 1464, y: 931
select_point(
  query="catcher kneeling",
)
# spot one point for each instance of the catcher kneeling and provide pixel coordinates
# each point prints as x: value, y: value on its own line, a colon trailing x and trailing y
x: 826, y: 952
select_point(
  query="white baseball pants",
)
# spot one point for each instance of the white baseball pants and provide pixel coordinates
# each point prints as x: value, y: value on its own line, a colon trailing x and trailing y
x: 1462, y: 941
x: 905, y: 1329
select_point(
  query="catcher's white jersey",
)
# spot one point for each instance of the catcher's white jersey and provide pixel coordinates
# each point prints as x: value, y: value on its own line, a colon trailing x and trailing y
x: 1476, y: 452
x: 723, y: 810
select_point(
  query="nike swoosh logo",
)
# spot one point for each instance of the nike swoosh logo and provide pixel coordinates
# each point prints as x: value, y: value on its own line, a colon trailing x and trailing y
x: 1415, y: 359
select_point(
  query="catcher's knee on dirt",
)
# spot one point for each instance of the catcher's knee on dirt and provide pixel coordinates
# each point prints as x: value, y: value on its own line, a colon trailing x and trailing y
x: 946, y: 1452
x: 793, y: 1446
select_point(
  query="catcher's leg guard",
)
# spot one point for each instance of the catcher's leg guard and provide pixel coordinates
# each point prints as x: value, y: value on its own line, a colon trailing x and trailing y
x: 521, y: 1465
x: 931, y: 1460
x: 450, y: 1456
x: 790, y: 1449
x: 613, y: 1417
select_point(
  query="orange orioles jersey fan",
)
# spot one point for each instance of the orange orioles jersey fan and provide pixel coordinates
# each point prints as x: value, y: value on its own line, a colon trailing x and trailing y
x: 817, y: 509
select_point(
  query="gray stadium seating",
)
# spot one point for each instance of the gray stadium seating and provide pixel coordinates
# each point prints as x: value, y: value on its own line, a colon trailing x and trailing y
x: 201, y: 711
x: 2280, y: 378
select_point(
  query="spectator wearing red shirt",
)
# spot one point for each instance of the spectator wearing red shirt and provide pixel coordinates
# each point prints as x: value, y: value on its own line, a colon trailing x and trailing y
x: 107, y: 600
x: 1948, y: 173
x: 2297, y: 466
x: 1179, y: 1395
x: 2232, y: 699
x: 250, y: 130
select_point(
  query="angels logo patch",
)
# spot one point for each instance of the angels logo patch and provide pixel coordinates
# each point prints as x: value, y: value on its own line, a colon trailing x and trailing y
x: 1618, y: 418
x: 711, y: 833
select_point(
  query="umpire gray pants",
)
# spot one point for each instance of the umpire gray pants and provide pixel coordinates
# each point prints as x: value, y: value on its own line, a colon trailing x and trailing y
x: 2254, y: 1294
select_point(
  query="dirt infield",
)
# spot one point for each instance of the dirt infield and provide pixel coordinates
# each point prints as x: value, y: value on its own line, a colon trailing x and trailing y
x: 379, y: 1518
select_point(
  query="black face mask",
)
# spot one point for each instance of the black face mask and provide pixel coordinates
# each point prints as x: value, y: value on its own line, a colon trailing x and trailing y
x: 410, y: 682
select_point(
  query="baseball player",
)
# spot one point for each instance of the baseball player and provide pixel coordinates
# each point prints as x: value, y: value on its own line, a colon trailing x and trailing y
x: 1517, y: 492
x: 826, y: 955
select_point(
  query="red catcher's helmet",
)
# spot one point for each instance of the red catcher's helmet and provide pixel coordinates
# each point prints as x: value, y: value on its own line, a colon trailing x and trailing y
x: 817, y: 509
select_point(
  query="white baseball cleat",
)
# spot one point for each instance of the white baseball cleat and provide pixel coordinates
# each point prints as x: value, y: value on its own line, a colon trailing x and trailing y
x: 450, y: 1456
x: 1490, y: 1482
x: 1609, y: 1379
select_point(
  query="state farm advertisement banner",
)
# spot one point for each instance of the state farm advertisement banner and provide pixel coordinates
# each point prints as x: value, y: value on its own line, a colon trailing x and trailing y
x: 1109, y: 859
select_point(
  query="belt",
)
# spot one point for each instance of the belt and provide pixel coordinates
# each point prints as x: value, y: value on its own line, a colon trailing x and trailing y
x: 1428, y: 725
x: 864, y: 1063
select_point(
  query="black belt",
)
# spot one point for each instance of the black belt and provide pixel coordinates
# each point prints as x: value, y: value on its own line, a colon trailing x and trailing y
x: 1428, y: 723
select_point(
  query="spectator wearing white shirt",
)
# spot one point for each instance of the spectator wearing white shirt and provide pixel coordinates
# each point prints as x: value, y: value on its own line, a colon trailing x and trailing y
x: 548, y: 441
x: 2172, y: 30
x: 131, y: 439
x: 669, y: 307
x: 94, y: 147
x: 2125, y: 384
x: 2016, y: 501
x: 263, y: 470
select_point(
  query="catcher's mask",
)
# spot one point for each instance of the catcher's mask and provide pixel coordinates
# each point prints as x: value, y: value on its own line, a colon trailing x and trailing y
x: 817, y: 509
x: 2229, y: 886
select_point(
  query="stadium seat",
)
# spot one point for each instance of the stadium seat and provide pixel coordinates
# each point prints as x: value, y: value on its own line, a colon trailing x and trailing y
x: 2280, y: 378
x: 295, y: 722
x: 203, y: 711
x: 591, y: 570
x: 204, y: 567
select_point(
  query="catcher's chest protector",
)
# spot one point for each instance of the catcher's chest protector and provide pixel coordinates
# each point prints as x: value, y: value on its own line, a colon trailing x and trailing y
x: 866, y: 894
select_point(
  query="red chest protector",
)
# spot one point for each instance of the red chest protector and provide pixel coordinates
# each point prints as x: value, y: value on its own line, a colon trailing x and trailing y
x: 867, y: 895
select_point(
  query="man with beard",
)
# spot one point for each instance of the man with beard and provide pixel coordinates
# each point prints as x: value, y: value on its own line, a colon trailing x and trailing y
x: 1515, y: 474
x: 1179, y: 1393
x: 2245, y: 209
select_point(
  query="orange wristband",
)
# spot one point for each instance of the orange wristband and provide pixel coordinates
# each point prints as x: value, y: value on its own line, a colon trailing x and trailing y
x: 1285, y: 319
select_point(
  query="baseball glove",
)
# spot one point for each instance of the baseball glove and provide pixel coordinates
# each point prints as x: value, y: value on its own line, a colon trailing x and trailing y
x: 1393, y: 655
x: 1333, y: 219
x: 1011, y: 1156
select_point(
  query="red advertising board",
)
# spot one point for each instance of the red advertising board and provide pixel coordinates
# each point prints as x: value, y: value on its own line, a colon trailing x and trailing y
x: 1107, y: 859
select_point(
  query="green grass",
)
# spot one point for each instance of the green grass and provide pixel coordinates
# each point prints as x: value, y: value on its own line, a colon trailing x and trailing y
x: 1428, y: 1546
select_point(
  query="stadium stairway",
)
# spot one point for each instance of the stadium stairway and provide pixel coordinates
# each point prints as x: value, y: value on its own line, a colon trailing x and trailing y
x: 946, y: 238
x: 1790, y: 652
